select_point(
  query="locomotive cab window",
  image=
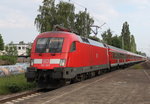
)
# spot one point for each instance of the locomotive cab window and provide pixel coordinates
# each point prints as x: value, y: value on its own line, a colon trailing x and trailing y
x: 73, y: 47
x: 49, y: 45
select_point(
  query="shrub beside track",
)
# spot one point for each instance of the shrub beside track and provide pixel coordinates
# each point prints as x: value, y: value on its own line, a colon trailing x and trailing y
x: 14, y: 83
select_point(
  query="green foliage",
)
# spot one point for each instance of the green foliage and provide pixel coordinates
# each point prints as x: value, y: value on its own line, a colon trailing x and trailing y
x: 21, y: 42
x: 1, y: 43
x: 9, y: 59
x: 13, y: 87
x: 94, y: 38
x: 141, y: 53
x: 63, y: 14
x: 125, y: 34
x: 137, y: 66
x: 107, y: 37
x: 14, y: 83
x: 11, y: 50
x: 128, y: 40
x: 83, y: 23
x: 28, y: 51
x: 46, y: 20
x: 116, y: 41
x: 125, y: 41
x: 133, y: 44
x: 10, y: 56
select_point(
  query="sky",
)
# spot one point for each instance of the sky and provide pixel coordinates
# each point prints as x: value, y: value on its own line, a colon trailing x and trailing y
x: 17, y: 18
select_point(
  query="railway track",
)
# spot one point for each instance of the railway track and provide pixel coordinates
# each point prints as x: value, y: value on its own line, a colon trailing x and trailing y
x: 146, y: 71
x: 20, y: 97
x: 147, y: 74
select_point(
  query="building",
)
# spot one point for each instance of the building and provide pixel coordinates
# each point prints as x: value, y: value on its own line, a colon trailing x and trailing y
x: 21, y: 48
x: 2, y: 52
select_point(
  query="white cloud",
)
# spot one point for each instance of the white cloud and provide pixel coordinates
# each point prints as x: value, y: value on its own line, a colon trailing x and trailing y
x: 14, y: 19
x: 101, y: 17
x: 37, y: 0
x: 145, y: 2
x: 18, y: 21
x: 104, y: 11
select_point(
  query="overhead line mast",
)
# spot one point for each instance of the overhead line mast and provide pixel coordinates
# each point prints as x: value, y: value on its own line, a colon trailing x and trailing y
x: 96, y: 28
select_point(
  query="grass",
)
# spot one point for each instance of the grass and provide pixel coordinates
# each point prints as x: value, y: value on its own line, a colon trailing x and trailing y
x: 14, y: 83
x: 137, y: 66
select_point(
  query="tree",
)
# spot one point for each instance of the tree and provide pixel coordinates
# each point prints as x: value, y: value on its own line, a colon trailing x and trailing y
x: 1, y: 43
x: 116, y: 41
x: 125, y: 35
x: 107, y: 37
x: 141, y: 53
x: 94, y: 38
x: 28, y: 52
x: 133, y: 44
x: 144, y: 54
x: 11, y: 50
x: 65, y: 15
x: 21, y: 42
x: 83, y: 23
x: 46, y: 20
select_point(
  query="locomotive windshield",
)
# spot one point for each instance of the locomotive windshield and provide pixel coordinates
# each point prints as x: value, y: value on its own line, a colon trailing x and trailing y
x: 49, y: 45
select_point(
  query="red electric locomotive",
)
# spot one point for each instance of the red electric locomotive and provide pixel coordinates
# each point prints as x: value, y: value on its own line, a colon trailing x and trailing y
x: 58, y: 56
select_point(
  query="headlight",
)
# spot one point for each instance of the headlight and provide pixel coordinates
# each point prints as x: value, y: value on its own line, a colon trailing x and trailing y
x: 62, y: 62
x: 31, y: 62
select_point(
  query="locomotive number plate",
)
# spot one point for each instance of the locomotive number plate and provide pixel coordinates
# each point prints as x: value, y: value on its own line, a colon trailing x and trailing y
x: 46, y: 61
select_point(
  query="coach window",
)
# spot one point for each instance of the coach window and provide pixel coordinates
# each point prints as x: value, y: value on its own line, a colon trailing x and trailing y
x: 73, y: 47
x: 120, y: 56
x: 114, y: 55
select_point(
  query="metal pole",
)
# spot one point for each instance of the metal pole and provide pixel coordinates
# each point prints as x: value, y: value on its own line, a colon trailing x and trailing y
x: 86, y: 23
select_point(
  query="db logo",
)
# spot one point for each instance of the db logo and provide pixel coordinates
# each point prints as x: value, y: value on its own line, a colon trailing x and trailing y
x: 46, y: 61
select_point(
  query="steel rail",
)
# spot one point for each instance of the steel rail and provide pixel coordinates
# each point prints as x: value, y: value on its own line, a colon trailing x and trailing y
x: 11, y: 98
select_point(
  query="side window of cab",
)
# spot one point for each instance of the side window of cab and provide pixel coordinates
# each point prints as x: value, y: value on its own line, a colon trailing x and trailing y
x: 73, y: 47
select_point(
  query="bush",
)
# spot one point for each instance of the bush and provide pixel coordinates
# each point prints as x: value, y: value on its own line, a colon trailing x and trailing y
x: 15, y: 83
x: 9, y: 59
x: 13, y: 87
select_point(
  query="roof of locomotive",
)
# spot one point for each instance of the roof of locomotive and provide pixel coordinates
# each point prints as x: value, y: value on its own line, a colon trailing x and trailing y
x: 73, y: 35
x: 56, y: 33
